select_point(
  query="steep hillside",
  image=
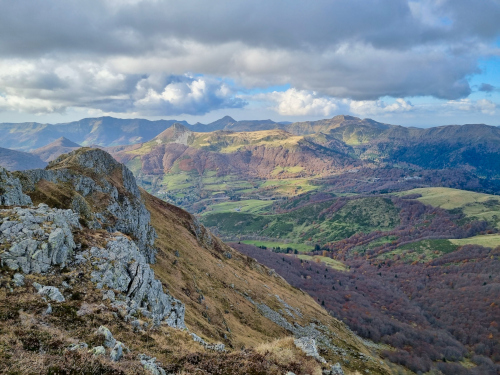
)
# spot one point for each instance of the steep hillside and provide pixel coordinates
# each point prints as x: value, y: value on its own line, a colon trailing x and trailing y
x: 13, y: 160
x: 195, y: 166
x: 123, y: 260
x: 54, y: 149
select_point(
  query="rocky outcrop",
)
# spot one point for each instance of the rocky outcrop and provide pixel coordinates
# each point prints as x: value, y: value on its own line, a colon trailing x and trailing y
x: 122, y: 267
x: 37, y: 238
x: 11, y: 193
x: 150, y: 365
x: 308, y: 346
x: 49, y: 292
x: 103, y: 191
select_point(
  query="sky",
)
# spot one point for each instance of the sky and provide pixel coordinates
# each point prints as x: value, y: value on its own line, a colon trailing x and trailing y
x: 410, y: 62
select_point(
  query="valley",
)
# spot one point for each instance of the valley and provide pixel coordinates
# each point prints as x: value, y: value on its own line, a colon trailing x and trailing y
x: 392, y: 230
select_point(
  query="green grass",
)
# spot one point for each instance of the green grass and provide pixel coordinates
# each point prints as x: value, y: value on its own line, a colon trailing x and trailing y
x: 177, y: 181
x: 448, y: 198
x: 473, y: 205
x: 308, y: 224
x: 489, y: 240
x: 421, y: 251
x: 270, y: 244
x: 253, y: 206
x: 332, y: 263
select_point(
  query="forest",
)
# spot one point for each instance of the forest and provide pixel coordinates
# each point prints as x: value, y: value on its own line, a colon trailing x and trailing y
x: 443, y: 313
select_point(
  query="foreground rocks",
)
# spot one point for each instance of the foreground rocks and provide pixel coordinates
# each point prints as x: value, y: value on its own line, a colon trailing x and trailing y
x: 102, y: 204
x: 37, y: 238
x: 122, y: 267
x: 11, y: 193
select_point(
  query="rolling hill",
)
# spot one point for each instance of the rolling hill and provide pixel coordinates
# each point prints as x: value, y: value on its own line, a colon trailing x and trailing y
x: 54, y: 149
x: 201, y: 165
x: 13, y: 160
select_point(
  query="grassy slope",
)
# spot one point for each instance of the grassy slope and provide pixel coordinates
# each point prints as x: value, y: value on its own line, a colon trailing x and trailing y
x: 448, y: 198
x: 308, y: 224
x: 223, y: 283
x: 490, y: 240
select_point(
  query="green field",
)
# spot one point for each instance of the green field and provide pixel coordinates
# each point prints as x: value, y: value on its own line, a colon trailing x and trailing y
x: 489, y: 240
x: 310, y: 223
x: 332, y: 263
x: 448, y: 198
x: 253, y: 206
x: 421, y: 251
x: 270, y: 244
x: 473, y: 205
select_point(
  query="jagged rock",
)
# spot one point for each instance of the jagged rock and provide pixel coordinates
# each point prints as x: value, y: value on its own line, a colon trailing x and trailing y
x: 18, y: 279
x: 216, y: 347
x: 122, y: 267
x: 117, y: 352
x: 151, y: 365
x: 38, y: 237
x: 124, y: 211
x: 80, y: 345
x: 109, y: 295
x: 52, y: 293
x: 109, y: 340
x: 98, y: 350
x: 11, y: 193
x: 49, y: 310
x: 336, y: 369
x: 308, y: 346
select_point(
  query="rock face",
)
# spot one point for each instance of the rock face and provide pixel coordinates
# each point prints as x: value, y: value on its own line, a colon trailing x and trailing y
x: 11, y: 193
x: 103, y: 191
x: 121, y: 266
x: 38, y: 238
x: 150, y: 365
x: 308, y: 346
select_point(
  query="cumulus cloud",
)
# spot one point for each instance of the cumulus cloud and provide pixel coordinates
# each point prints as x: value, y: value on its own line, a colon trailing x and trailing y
x: 466, y: 105
x: 293, y: 102
x: 106, y: 54
x: 301, y: 103
x: 175, y: 95
x: 379, y: 107
x: 50, y: 86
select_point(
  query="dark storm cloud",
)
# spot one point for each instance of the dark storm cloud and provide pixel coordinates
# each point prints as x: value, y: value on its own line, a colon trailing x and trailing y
x: 486, y: 87
x: 359, y: 49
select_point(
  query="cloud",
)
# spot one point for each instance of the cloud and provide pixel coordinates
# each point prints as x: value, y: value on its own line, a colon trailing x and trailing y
x: 486, y: 87
x: 466, y: 105
x: 50, y: 86
x: 300, y: 103
x: 379, y: 107
x: 95, y: 54
x: 176, y: 95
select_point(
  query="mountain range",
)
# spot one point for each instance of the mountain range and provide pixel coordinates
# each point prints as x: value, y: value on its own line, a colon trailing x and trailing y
x: 387, y: 227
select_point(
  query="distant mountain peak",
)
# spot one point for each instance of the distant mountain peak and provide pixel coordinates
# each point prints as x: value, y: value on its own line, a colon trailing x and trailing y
x: 177, y: 133
x: 63, y: 142
x: 61, y: 145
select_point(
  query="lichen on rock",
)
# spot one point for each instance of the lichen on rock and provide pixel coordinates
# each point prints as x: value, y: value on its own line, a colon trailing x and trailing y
x: 122, y: 267
x: 11, y: 193
x: 38, y: 238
